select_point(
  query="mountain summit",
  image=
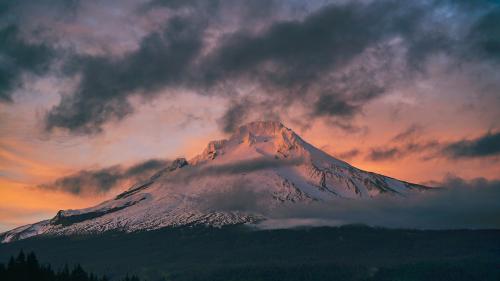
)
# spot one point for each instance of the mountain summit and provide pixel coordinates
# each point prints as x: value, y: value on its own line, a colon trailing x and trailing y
x: 261, y: 164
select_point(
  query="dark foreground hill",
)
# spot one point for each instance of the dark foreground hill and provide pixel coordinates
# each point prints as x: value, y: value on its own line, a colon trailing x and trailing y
x: 240, y: 253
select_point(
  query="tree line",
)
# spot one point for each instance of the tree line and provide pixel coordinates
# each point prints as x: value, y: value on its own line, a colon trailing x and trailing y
x: 26, y: 267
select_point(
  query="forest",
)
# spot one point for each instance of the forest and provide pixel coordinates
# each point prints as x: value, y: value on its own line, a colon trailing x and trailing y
x: 28, y: 268
x: 347, y: 253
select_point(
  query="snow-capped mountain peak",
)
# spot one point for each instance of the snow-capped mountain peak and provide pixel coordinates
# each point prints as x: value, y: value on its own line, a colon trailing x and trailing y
x: 264, y: 159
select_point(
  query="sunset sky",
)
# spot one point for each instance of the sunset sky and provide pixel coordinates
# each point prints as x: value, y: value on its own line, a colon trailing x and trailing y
x: 97, y: 94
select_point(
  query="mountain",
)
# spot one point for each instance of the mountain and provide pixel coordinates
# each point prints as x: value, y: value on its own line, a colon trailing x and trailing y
x: 262, y: 165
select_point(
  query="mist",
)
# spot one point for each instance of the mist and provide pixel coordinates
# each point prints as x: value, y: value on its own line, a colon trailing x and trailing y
x: 458, y: 204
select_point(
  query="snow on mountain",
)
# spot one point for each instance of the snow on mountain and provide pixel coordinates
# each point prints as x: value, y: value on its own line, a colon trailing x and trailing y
x: 261, y: 159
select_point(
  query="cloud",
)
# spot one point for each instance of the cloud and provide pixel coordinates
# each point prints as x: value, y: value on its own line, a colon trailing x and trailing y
x: 148, y: 166
x: 240, y: 167
x: 106, y: 83
x: 396, y: 152
x: 485, y: 34
x: 330, y: 105
x: 17, y: 56
x: 347, y: 155
x: 380, y: 154
x: 20, y: 12
x: 236, y: 197
x: 305, y: 60
x: 234, y: 115
x: 487, y: 145
x: 312, y: 60
x: 101, y: 181
x: 483, y: 146
x: 459, y: 204
x: 330, y: 59
x: 411, y: 132
x: 249, y: 166
x: 456, y: 204
x: 25, y: 47
x: 94, y: 182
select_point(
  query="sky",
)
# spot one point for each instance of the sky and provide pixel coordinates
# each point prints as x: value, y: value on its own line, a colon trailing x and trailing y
x: 95, y: 95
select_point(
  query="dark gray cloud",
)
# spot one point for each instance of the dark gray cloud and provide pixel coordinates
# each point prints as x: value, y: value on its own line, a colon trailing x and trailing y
x: 430, y: 148
x: 245, y: 9
x: 19, y: 52
x: 18, y: 56
x: 485, y: 35
x: 15, y: 12
x: 106, y: 83
x: 307, y: 46
x: 240, y: 110
x: 291, y: 60
x: 234, y: 115
x: 100, y: 181
x: 286, y: 59
x: 484, y: 146
x: 87, y: 182
x: 332, y: 105
x: 92, y: 182
x: 332, y: 59
x: 174, y: 4
x: 148, y: 166
x: 487, y: 145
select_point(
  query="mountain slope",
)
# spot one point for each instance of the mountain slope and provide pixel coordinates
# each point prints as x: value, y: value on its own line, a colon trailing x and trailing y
x: 263, y: 164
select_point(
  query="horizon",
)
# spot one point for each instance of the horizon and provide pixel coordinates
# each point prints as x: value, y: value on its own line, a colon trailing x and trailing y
x: 96, y: 96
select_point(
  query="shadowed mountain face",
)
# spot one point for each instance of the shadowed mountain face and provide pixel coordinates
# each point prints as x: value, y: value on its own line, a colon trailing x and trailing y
x: 262, y: 166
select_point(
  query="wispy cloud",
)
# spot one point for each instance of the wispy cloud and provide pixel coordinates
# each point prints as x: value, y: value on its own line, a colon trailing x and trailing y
x: 100, y: 181
x: 430, y: 148
x: 487, y: 145
x: 483, y: 146
x: 347, y: 155
x: 410, y: 133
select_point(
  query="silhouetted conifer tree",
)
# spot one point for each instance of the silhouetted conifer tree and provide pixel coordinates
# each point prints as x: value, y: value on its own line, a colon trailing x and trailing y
x: 27, y: 268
